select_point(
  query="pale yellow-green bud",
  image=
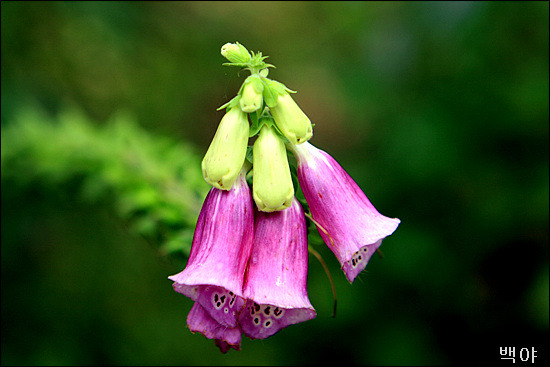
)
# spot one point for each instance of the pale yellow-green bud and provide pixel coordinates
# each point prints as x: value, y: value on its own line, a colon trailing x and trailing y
x: 235, y: 52
x: 272, y: 185
x: 225, y: 156
x: 252, y: 97
x: 291, y: 120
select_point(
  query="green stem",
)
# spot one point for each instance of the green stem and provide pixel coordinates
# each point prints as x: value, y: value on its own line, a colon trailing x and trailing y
x: 320, y: 258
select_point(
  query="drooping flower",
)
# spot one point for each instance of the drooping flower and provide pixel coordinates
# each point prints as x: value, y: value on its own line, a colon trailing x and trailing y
x: 222, y: 242
x: 291, y: 120
x: 276, y: 280
x: 198, y: 320
x: 225, y: 155
x: 272, y: 187
x: 351, y: 226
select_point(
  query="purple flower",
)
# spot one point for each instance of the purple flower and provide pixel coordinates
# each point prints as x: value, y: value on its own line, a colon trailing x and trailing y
x: 221, y: 247
x: 224, y: 337
x: 351, y: 226
x: 276, y: 280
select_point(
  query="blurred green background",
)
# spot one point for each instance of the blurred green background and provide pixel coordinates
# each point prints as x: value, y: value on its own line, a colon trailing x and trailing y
x: 439, y: 111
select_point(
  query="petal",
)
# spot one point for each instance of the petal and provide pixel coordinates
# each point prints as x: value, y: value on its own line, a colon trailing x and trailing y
x: 351, y: 226
x: 200, y: 321
x: 276, y: 282
x: 221, y: 247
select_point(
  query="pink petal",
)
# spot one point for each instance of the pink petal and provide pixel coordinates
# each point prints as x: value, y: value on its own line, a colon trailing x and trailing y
x: 199, y: 320
x: 276, y: 282
x: 354, y: 228
x: 221, y: 247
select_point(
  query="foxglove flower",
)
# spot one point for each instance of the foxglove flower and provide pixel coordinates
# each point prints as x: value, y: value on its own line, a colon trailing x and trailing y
x: 351, y: 226
x: 199, y: 320
x: 225, y: 155
x: 276, y: 280
x: 222, y: 242
x: 291, y: 120
x: 272, y: 187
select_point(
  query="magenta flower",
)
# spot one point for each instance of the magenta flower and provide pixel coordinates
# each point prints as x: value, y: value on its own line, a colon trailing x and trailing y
x: 276, y: 280
x: 351, y: 226
x: 224, y: 337
x: 221, y: 247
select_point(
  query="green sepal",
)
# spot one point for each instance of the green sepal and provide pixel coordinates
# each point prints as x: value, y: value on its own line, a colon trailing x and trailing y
x: 239, y: 64
x: 249, y: 155
x: 270, y: 94
x: 255, y: 124
x: 232, y: 103
x: 267, y: 119
x: 281, y: 88
x: 272, y: 90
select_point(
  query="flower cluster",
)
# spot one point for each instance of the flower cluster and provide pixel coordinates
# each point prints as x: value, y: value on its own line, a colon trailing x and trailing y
x: 247, y: 270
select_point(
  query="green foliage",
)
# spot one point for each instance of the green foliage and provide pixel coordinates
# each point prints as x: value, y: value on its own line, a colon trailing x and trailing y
x: 153, y: 183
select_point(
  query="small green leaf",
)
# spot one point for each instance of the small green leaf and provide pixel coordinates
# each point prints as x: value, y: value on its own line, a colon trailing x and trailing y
x: 232, y: 103
x: 255, y: 126
x: 270, y: 95
x: 249, y: 155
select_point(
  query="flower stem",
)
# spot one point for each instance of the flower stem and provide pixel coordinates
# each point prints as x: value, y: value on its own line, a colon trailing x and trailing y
x: 320, y: 258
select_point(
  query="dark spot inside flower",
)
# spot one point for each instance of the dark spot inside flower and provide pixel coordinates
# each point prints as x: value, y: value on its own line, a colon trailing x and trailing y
x: 231, y: 293
x: 256, y: 307
x: 222, y: 299
x: 277, y: 311
x: 216, y: 298
x: 364, y: 249
x: 321, y: 196
x: 267, y: 310
x: 267, y: 323
x: 256, y: 320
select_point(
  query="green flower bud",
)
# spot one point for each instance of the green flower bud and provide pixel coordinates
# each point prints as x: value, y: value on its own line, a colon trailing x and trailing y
x: 252, y: 94
x: 225, y: 156
x: 291, y: 120
x: 235, y: 52
x: 272, y: 185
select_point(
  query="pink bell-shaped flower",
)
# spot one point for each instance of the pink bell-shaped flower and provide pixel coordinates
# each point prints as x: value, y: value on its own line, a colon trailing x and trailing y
x: 276, y: 280
x: 224, y: 337
x: 351, y: 226
x: 222, y: 242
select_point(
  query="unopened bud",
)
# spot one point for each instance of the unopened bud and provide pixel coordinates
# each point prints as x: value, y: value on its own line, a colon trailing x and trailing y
x: 225, y: 156
x: 291, y: 120
x: 235, y: 52
x: 272, y: 187
x: 252, y: 94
